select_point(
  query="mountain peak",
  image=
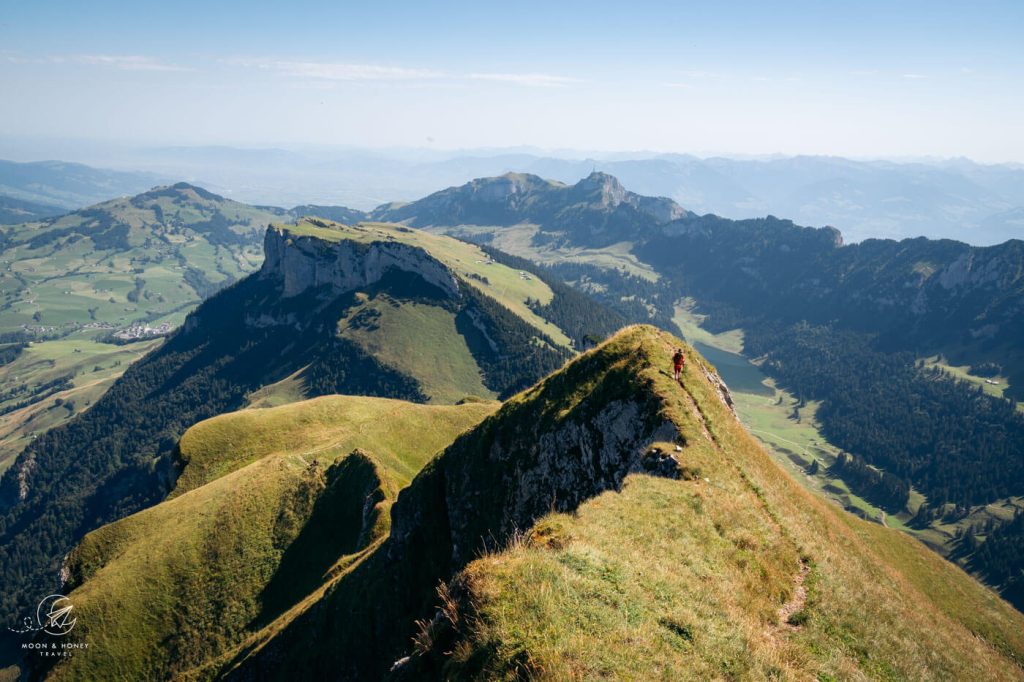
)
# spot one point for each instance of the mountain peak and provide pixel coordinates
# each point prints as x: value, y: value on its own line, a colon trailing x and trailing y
x: 599, y: 179
x: 611, y: 190
x: 613, y: 214
x: 183, y: 189
x: 509, y: 184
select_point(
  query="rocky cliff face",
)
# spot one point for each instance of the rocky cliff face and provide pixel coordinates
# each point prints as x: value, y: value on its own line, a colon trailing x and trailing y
x: 304, y: 262
x: 548, y: 451
x: 490, y: 490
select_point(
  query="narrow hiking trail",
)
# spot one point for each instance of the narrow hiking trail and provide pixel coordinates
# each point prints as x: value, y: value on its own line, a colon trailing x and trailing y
x: 797, y: 602
x: 799, y: 599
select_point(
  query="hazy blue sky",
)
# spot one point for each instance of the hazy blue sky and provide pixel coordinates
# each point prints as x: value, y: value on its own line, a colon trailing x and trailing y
x: 893, y: 78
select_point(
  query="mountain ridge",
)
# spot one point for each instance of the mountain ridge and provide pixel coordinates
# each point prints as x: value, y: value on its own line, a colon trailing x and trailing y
x: 951, y: 198
x: 533, y: 519
x: 599, y: 201
x: 68, y: 185
x: 330, y: 292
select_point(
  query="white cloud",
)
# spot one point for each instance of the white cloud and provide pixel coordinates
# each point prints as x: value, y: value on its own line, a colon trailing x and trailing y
x: 125, y: 62
x: 676, y: 85
x: 348, y: 71
x: 914, y: 76
x: 534, y: 80
x: 698, y: 73
x: 338, y: 71
x: 122, y: 62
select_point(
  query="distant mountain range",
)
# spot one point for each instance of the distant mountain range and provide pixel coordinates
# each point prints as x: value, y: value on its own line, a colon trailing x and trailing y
x: 930, y: 294
x: 955, y: 199
x: 59, y: 186
x: 598, y: 205
x: 21, y: 211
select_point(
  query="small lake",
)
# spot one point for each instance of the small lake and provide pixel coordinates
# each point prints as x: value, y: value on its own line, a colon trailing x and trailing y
x: 739, y: 373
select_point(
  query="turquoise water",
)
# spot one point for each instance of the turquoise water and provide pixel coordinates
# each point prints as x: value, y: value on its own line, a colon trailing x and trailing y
x: 738, y: 372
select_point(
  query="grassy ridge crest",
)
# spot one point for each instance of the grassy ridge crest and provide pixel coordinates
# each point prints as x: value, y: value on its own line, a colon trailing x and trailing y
x: 298, y: 492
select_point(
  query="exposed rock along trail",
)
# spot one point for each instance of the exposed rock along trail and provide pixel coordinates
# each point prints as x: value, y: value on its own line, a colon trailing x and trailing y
x: 797, y: 602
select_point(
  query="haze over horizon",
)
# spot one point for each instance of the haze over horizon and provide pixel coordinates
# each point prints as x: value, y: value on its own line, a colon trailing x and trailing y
x: 917, y: 80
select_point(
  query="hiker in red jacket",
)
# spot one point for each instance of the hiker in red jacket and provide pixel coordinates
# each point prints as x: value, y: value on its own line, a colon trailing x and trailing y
x: 677, y: 362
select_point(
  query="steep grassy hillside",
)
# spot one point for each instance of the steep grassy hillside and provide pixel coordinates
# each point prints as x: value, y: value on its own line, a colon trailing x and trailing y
x: 632, y: 529
x: 399, y: 434
x: 801, y: 588
x: 270, y: 504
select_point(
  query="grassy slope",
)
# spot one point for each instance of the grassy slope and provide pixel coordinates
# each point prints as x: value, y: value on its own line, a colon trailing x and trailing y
x: 402, y: 435
x: 291, y: 389
x: 420, y: 341
x: 518, y: 240
x: 685, y: 579
x: 505, y: 284
x: 72, y: 283
x: 259, y: 519
x: 767, y: 411
x: 998, y: 389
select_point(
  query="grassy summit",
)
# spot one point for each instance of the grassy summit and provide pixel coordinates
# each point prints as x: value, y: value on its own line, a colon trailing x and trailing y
x: 146, y: 259
x: 401, y: 435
